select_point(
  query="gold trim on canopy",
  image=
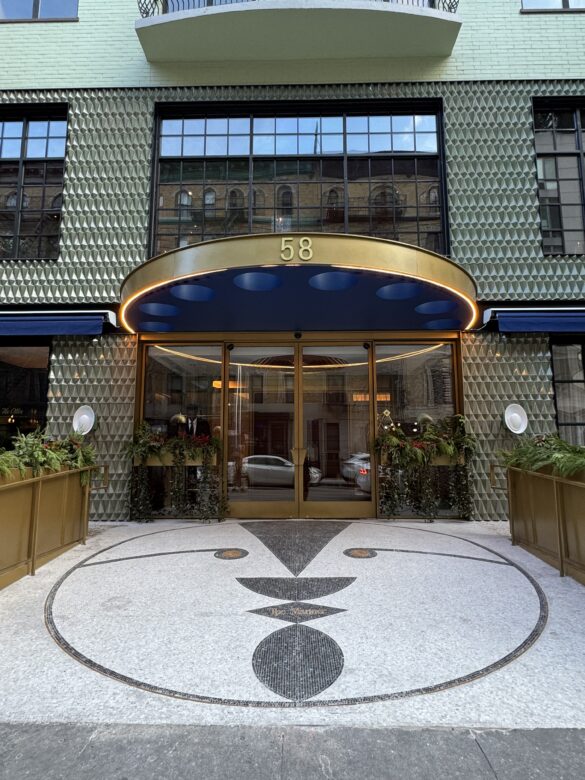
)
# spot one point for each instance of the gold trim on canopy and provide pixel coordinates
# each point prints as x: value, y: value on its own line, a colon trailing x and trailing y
x: 339, y: 251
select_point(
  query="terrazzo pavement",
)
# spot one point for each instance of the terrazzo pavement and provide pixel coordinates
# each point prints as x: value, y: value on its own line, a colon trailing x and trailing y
x: 201, y: 608
x: 459, y: 616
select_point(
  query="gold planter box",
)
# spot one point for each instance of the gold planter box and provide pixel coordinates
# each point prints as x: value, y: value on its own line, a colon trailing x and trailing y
x: 40, y: 517
x: 547, y: 517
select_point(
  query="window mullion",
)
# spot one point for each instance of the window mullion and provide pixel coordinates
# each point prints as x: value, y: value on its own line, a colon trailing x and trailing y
x: 36, y: 9
x: 19, y: 191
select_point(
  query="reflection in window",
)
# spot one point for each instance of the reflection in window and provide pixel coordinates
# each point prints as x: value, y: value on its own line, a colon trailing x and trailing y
x: 24, y: 372
x: 569, y: 384
x: 261, y: 424
x: 183, y: 203
x: 553, y: 5
x: 415, y: 384
x: 336, y: 419
x: 560, y: 164
x: 31, y: 183
x: 38, y: 9
x: 182, y: 389
x: 361, y: 174
x: 209, y: 202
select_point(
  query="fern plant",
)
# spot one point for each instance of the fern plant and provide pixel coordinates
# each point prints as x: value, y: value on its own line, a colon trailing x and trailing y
x: 563, y: 458
x: 34, y: 451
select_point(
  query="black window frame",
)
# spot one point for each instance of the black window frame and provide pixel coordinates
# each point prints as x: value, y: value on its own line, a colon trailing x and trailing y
x: 26, y: 113
x: 577, y: 107
x: 254, y: 109
x: 578, y: 341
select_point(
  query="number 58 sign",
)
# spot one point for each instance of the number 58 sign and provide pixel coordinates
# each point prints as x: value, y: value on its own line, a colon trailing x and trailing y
x: 292, y: 248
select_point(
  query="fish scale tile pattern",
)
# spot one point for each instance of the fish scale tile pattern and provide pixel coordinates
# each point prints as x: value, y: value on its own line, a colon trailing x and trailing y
x: 103, y: 375
x: 498, y: 371
x: 493, y: 211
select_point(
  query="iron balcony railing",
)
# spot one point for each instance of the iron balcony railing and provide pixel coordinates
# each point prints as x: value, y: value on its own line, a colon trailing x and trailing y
x: 149, y: 8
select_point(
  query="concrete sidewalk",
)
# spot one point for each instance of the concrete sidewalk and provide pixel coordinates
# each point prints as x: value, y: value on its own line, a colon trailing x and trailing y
x: 125, y: 752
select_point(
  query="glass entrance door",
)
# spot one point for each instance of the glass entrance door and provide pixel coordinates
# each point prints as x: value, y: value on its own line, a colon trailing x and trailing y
x: 262, y: 478
x: 336, y: 430
x: 299, y: 431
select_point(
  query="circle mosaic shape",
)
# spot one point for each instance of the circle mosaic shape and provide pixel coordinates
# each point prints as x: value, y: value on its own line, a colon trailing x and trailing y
x: 356, y: 596
x: 197, y: 293
x: 333, y: 281
x: 156, y: 327
x: 399, y: 291
x: 436, y: 307
x: 444, y: 324
x: 159, y: 309
x: 257, y: 281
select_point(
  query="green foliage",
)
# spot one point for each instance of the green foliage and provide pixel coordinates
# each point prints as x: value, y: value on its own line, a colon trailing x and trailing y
x: 36, y: 451
x: 8, y: 462
x: 563, y: 458
x: 145, y: 444
x: 408, y: 476
x: 140, y: 501
x: 195, y: 491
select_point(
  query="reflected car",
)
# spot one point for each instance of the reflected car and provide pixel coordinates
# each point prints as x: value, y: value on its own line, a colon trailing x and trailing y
x: 266, y: 470
x: 363, y: 477
x: 351, y: 466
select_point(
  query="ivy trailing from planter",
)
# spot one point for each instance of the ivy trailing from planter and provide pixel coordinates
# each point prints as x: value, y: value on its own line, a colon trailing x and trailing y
x: 145, y: 444
x: 408, y: 473
x: 205, y: 482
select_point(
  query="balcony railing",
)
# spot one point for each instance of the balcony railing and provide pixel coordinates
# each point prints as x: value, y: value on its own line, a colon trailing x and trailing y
x: 150, y: 8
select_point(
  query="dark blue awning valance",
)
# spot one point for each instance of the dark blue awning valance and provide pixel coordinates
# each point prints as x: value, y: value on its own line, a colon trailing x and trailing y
x: 541, y: 322
x: 51, y: 325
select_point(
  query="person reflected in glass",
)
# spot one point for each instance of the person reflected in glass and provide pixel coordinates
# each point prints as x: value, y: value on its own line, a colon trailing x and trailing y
x: 197, y: 425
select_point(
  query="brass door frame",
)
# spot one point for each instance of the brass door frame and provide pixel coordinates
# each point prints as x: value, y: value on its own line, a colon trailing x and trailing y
x: 300, y: 508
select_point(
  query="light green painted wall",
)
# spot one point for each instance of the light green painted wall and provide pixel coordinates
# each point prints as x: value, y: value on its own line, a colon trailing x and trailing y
x: 496, y: 42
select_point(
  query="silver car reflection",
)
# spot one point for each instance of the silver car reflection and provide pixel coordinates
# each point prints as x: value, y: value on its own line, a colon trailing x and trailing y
x: 271, y: 470
x: 363, y: 477
x: 351, y: 466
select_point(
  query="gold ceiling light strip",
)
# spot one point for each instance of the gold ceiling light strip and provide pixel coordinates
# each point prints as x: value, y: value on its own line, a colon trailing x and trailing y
x: 306, y: 369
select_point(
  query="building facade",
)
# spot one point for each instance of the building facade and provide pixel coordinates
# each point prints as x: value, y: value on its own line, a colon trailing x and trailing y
x: 276, y: 222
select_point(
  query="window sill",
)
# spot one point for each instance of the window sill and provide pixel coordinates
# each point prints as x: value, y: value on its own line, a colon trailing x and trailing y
x: 552, y: 10
x: 37, y: 21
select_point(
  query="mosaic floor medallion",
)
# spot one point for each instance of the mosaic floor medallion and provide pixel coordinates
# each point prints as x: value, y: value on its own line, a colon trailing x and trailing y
x: 296, y: 613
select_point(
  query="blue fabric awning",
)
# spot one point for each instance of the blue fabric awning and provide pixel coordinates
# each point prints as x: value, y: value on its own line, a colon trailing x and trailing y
x: 51, y: 325
x: 541, y: 322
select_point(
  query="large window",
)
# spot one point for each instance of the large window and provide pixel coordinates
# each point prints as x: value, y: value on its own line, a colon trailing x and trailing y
x: 24, y: 378
x: 374, y: 174
x: 553, y: 5
x: 569, y: 382
x: 559, y: 138
x: 19, y: 10
x: 32, y: 152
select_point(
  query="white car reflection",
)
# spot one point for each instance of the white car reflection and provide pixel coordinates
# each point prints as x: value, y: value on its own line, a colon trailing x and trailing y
x: 270, y: 470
